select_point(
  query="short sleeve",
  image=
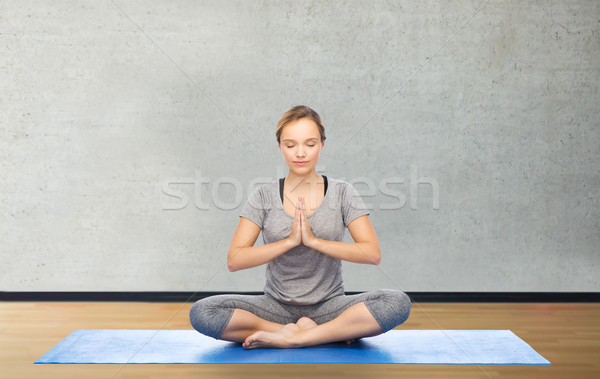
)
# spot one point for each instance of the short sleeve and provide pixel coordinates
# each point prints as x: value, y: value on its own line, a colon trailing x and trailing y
x: 353, y: 205
x: 255, y: 207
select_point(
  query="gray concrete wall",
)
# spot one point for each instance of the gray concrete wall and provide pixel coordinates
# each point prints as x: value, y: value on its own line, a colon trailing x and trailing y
x: 132, y: 132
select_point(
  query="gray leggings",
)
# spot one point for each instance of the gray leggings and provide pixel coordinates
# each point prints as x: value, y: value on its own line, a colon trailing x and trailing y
x: 211, y: 315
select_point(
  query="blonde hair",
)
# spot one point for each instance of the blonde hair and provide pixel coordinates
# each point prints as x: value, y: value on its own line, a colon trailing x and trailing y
x: 296, y: 113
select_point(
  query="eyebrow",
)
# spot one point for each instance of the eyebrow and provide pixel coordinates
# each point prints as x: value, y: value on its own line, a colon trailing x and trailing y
x: 291, y: 140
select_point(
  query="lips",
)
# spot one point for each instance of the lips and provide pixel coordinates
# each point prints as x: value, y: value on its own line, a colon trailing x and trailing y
x: 300, y: 163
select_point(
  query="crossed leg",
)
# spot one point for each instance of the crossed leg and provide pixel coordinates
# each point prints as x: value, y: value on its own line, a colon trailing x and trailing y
x: 244, y: 323
x: 355, y: 322
x: 302, y: 323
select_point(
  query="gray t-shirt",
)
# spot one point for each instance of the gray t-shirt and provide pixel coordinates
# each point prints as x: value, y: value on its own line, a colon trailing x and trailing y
x: 302, y: 275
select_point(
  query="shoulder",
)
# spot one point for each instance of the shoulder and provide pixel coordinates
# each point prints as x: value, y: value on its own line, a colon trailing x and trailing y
x: 264, y: 187
x: 341, y: 186
x: 335, y: 181
x: 263, y: 191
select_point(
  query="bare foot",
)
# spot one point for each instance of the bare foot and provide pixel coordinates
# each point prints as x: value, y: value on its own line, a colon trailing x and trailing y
x: 287, y: 337
x: 305, y: 323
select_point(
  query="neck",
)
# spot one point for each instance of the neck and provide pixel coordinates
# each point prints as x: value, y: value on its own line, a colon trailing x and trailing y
x: 308, y: 180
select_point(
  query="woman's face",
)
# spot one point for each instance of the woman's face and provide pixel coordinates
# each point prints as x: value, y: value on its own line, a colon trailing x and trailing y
x: 300, y: 141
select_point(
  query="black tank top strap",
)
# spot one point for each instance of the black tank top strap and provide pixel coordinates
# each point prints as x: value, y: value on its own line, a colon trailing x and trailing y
x: 281, y: 189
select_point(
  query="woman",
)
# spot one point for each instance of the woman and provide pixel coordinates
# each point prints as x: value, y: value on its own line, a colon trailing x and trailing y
x: 303, y: 219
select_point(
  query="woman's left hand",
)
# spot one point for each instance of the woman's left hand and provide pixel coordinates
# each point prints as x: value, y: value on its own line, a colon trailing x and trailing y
x: 307, y: 236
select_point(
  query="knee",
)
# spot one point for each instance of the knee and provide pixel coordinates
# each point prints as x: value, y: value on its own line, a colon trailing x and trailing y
x: 208, y: 318
x: 199, y: 312
x: 399, y: 303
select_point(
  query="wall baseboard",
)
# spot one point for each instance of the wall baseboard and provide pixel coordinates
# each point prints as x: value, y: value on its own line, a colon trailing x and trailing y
x: 419, y: 297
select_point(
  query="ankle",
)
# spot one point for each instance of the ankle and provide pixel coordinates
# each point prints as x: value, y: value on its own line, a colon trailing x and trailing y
x: 300, y: 338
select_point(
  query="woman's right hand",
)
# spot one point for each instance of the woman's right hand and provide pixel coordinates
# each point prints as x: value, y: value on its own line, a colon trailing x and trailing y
x: 296, y: 234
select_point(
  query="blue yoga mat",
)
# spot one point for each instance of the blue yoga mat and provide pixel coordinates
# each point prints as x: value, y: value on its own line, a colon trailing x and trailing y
x: 482, y: 347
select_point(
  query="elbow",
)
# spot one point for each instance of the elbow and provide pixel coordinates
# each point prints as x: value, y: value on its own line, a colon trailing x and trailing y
x: 231, y: 266
x: 375, y: 258
x: 371, y: 254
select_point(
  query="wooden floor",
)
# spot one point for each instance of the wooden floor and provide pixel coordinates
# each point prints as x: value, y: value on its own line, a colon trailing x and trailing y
x: 568, y: 335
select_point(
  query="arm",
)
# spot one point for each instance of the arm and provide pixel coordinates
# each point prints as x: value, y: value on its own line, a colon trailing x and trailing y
x: 365, y: 249
x: 242, y: 252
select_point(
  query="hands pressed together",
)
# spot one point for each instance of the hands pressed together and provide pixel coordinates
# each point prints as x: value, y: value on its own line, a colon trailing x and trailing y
x: 301, y: 233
